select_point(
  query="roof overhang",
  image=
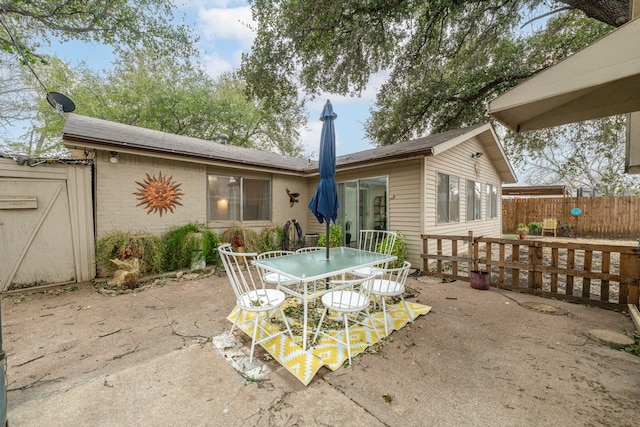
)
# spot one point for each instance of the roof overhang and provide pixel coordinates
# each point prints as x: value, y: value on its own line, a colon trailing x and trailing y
x: 536, y: 190
x: 600, y: 80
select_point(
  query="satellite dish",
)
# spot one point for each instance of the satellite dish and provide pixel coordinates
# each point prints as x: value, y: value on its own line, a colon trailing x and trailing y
x: 60, y: 101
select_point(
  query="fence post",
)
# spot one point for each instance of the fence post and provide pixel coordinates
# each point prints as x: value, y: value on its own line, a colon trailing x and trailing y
x: 425, y: 251
x: 535, y: 260
x: 473, y: 251
x: 629, y: 267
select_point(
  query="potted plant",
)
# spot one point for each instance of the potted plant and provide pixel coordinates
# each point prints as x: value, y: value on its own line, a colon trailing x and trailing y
x: 534, y: 227
x: 238, y: 243
x: 523, y: 230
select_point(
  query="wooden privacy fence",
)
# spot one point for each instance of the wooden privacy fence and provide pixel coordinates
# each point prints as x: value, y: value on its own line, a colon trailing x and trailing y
x: 615, y: 217
x: 601, y: 275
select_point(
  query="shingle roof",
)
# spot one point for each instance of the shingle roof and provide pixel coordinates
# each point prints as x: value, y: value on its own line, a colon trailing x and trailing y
x: 404, y: 149
x: 88, y: 132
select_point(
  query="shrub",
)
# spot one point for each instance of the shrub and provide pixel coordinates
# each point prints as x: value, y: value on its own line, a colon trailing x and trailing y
x: 180, y: 242
x: 335, y: 237
x: 270, y: 239
x: 399, y: 250
x: 124, y: 246
x: 238, y: 236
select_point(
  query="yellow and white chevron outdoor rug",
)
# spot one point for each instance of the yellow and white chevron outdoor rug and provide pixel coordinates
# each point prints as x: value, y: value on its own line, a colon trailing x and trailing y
x: 327, y: 352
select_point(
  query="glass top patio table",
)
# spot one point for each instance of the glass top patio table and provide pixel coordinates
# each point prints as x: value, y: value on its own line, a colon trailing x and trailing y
x: 309, y: 267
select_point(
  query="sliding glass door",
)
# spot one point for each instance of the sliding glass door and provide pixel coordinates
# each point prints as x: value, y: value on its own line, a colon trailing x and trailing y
x: 363, y: 206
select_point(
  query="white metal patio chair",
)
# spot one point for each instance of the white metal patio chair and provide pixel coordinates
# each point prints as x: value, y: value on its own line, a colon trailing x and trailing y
x: 390, y: 282
x: 271, y: 278
x: 310, y: 249
x: 380, y: 241
x: 350, y: 301
x: 250, y: 296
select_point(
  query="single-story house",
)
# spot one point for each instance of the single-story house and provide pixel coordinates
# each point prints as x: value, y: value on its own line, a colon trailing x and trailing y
x: 146, y: 180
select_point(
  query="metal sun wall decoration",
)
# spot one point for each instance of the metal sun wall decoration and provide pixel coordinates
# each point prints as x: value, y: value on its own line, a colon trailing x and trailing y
x: 159, y: 194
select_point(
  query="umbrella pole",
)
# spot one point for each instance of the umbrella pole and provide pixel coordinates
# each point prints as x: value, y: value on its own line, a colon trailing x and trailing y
x: 327, y: 240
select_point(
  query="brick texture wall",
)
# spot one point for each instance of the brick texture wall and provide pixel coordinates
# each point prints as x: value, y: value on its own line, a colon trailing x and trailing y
x: 116, y: 204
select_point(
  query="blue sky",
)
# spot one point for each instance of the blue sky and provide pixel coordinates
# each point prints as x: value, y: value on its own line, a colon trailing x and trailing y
x: 224, y: 30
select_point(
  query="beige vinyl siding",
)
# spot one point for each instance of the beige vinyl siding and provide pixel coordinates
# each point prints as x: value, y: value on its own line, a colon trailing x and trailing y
x: 312, y: 224
x: 404, y: 202
x: 458, y: 162
x: 282, y: 211
x: 406, y: 205
x: 412, y: 181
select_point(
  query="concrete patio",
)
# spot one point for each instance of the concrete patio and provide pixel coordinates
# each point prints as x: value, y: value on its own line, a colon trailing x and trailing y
x: 78, y: 357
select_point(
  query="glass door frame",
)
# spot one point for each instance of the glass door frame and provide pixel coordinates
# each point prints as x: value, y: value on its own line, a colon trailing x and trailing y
x: 366, y: 194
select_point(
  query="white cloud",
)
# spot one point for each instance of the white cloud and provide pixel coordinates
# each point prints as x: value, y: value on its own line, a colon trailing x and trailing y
x: 224, y: 34
x: 310, y: 138
x: 227, y: 24
x: 215, y: 65
x: 202, y: 4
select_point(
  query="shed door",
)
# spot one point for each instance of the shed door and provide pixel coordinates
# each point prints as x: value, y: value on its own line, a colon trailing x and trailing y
x: 36, y: 245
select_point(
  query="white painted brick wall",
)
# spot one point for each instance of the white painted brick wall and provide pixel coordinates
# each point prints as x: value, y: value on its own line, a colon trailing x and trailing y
x: 116, y: 208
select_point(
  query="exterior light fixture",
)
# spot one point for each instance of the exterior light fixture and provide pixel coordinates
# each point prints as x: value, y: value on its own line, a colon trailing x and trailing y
x: 114, y: 157
x: 476, y: 155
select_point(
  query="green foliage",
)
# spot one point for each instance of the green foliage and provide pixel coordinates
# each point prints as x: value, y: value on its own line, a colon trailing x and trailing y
x: 335, y: 237
x: 522, y: 228
x: 180, y: 242
x: 169, y: 95
x: 457, y: 56
x: 177, y: 254
x: 442, y: 73
x: 125, y: 246
x: 635, y: 347
x: 535, y: 227
x: 399, y: 249
x: 270, y: 239
x: 173, y: 251
x: 119, y: 23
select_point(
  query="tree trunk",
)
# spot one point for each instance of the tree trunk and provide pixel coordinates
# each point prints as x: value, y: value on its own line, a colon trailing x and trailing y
x: 612, y: 12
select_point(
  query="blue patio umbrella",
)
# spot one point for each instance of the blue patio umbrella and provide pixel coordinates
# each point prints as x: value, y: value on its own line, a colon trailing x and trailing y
x: 324, y: 203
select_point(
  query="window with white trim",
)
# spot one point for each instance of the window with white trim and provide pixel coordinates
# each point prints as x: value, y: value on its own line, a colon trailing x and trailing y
x: 448, y: 198
x: 492, y: 201
x: 474, y: 200
x: 236, y: 198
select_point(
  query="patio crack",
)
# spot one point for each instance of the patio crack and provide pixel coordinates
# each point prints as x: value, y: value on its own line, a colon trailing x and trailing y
x: 200, y: 339
x: 338, y: 389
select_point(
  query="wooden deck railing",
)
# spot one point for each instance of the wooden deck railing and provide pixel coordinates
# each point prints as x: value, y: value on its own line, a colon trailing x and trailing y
x: 601, y: 275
